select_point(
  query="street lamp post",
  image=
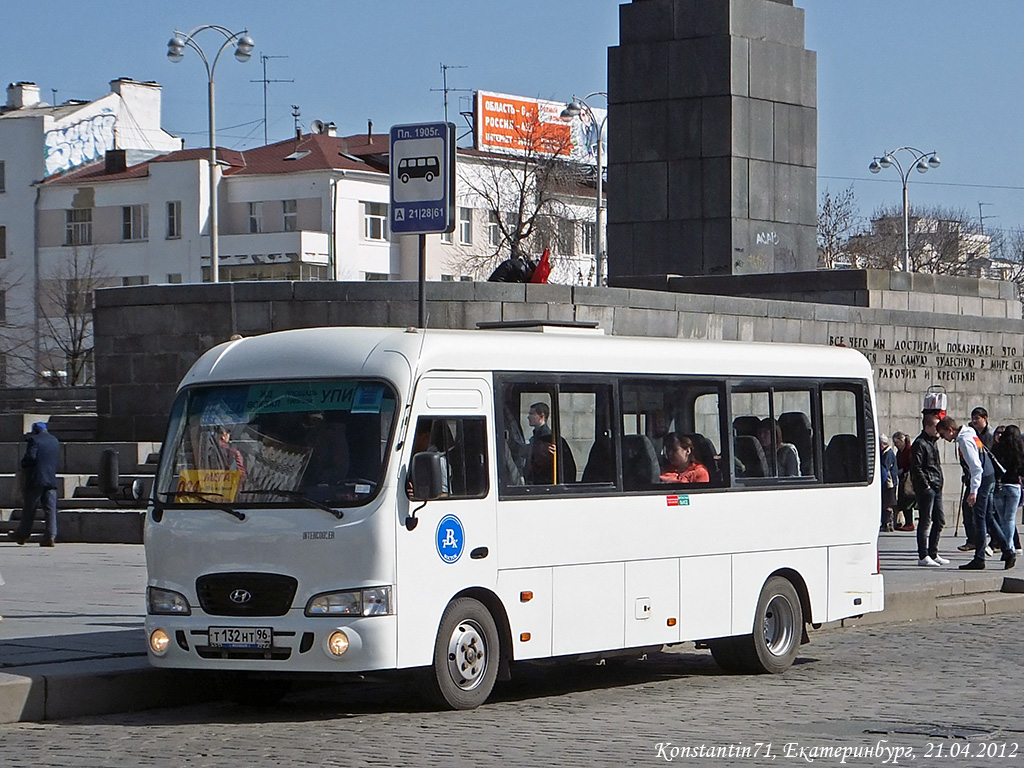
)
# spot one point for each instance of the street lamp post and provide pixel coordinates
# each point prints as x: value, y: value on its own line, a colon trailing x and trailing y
x: 922, y: 161
x: 575, y: 108
x: 244, y: 46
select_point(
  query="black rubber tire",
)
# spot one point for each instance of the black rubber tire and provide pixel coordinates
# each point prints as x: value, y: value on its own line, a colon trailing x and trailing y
x: 466, y: 656
x: 724, y: 652
x: 778, y: 626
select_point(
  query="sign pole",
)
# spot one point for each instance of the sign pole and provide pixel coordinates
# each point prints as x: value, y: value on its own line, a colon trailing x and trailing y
x: 423, y: 281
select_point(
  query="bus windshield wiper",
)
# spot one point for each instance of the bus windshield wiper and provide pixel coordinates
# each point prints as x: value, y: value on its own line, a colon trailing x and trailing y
x: 212, y: 500
x: 298, y: 496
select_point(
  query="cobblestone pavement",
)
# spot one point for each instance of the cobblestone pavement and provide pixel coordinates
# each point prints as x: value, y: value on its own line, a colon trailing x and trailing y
x: 934, y: 693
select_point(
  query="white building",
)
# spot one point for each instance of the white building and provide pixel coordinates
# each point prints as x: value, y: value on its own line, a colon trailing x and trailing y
x: 313, y: 207
x: 39, y: 140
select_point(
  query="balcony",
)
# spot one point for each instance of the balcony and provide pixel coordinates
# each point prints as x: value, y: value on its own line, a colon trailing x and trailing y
x: 307, y: 247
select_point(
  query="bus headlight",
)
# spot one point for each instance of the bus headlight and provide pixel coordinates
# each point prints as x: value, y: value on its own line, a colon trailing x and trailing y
x: 164, y: 602
x: 158, y: 642
x: 373, y: 601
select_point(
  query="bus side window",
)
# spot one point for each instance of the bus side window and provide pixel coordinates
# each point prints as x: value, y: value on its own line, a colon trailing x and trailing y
x: 462, y: 443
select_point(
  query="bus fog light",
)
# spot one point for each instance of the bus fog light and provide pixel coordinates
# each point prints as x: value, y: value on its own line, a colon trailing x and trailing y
x: 337, y: 643
x: 158, y: 642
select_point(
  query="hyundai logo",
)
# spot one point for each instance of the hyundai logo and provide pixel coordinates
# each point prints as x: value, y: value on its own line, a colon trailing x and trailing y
x: 240, y: 596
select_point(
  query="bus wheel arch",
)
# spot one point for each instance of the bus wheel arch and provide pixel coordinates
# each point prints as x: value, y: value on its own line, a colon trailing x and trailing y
x: 493, y: 603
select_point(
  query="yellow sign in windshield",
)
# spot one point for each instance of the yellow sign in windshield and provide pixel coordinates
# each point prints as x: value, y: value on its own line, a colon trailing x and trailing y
x: 211, y: 484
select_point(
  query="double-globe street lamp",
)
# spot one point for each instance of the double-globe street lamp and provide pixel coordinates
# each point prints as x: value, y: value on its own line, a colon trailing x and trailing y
x: 922, y: 161
x: 575, y: 108
x: 244, y: 46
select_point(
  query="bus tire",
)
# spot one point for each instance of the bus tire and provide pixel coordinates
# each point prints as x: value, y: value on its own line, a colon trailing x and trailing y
x: 466, y: 655
x: 774, y: 644
x: 724, y: 652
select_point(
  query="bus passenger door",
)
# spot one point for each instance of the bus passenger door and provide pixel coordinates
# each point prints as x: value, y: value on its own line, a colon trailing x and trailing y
x: 451, y: 544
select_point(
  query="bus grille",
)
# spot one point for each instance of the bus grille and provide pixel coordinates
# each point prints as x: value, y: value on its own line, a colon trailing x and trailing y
x: 246, y: 594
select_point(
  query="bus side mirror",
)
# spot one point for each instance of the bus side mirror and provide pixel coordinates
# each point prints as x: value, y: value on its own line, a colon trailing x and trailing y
x: 426, y: 472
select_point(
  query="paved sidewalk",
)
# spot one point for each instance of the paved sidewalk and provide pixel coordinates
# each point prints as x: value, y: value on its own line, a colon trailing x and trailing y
x: 71, y: 639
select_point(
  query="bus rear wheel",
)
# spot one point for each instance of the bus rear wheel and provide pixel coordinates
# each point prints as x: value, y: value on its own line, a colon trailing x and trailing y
x: 773, y: 645
x: 466, y: 655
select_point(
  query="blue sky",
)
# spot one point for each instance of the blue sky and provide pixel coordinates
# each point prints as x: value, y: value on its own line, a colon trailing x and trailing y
x: 925, y: 73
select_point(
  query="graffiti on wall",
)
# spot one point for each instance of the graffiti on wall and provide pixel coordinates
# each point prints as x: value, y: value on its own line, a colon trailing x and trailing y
x: 68, y: 146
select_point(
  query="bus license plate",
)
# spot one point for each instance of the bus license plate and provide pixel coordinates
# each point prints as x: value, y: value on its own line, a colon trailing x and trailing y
x: 241, y: 637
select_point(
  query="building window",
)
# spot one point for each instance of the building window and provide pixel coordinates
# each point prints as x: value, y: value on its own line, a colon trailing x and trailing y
x: 77, y: 297
x: 135, y: 222
x: 493, y: 229
x: 587, y: 232
x: 446, y: 238
x: 79, y: 227
x: 565, y: 237
x: 3, y: 177
x: 174, y: 278
x: 173, y: 219
x: 377, y: 276
x: 3, y: 242
x: 255, y: 218
x: 290, y: 209
x: 465, y: 226
x: 375, y: 221
x: 135, y: 280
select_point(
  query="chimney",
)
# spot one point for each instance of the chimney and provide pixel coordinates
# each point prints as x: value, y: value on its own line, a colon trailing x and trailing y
x: 116, y: 161
x: 369, y: 131
x: 331, y: 129
x: 22, y: 94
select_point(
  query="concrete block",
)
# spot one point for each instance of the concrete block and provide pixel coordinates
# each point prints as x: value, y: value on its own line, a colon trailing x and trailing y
x: 993, y: 308
x: 739, y: 50
x: 752, y: 128
x: 646, y: 22
x: 784, y: 24
x: 647, y: 190
x: 267, y: 290
x: 705, y: 17
x: 620, y: 129
x: 649, y: 141
x: 699, y: 67
x: 957, y: 607
x: 686, y: 118
x: 21, y: 699
x: 716, y: 174
x: 761, y: 190
x: 685, y: 189
x: 641, y: 70
x: 1004, y: 603
x: 740, y: 204
x: 970, y: 305
x: 716, y: 127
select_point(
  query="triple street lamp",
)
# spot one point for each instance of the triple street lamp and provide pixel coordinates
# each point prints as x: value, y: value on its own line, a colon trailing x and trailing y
x: 244, y: 46
x: 575, y: 108
x: 922, y: 161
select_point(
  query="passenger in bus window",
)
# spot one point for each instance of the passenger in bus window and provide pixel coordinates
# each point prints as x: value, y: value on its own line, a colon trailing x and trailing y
x: 786, y: 462
x: 541, y: 469
x: 680, y: 464
x: 230, y: 457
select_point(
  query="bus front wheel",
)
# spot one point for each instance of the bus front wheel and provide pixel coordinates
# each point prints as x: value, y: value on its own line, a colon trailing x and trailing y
x: 773, y: 645
x: 466, y: 655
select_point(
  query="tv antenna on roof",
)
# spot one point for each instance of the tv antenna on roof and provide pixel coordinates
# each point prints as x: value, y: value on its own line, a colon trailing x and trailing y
x: 264, y: 58
x: 446, y: 89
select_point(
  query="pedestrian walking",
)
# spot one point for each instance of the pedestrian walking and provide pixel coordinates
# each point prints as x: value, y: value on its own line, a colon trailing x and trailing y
x: 40, y: 467
x: 926, y: 476
x: 889, y: 471
x: 905, y: 501
x: 977, y: 465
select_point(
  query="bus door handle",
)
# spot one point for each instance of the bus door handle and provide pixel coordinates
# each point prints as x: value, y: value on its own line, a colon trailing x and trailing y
x: 479, y: 553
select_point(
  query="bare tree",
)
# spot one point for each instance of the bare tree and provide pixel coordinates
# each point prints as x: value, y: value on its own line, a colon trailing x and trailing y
x: 837, y: 223
x: 65, y: 304
x: 529, y: 198
x: 16, y: 348
x: 943, y: 241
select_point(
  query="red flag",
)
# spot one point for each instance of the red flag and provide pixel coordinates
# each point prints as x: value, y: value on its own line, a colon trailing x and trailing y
x: 540, y: 274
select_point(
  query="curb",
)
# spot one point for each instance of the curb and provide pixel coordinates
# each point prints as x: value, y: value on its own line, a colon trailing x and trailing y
x: 97, y: 687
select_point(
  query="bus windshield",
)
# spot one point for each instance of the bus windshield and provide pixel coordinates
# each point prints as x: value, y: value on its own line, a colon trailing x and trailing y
x: 272, y: 443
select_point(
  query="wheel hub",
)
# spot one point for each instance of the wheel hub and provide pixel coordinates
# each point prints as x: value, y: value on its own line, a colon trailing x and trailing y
x: 467, y: 655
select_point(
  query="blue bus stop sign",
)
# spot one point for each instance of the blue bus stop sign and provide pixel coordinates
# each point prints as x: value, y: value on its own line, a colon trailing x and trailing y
x: 422, y: 178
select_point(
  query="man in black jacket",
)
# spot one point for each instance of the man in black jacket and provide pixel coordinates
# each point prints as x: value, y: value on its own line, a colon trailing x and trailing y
x: 926, y: 475
x: 40, y: 466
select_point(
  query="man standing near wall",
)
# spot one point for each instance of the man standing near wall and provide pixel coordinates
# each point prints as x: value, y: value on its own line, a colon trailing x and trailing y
x: 926, y: 477
x: 40, y: 466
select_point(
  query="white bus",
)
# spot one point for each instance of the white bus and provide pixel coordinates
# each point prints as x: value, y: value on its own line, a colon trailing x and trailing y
x: 282, y: 536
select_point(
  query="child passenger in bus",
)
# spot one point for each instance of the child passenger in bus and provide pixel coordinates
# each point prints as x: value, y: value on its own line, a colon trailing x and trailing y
x: 680, y: 465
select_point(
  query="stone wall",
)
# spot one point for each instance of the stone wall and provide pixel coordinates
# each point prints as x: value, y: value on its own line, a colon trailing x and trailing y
x: 964, y: 334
